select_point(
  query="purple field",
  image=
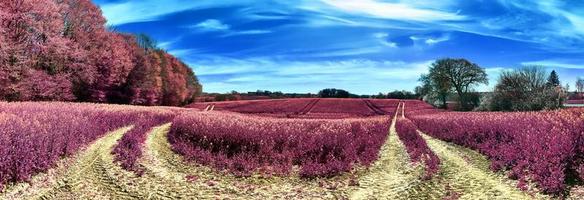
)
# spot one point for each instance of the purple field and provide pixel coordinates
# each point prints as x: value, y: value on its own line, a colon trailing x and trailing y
x: 306, y: 138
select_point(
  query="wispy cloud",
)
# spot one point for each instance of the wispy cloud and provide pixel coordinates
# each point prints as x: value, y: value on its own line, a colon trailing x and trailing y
x: 358, y: 75
x: 395, y: 11
x: 382, y: 37
x: 247, y: 32
x: 183, y: 52
x: 118, y: 13
x: 212, y: 25
x: 556, y: 64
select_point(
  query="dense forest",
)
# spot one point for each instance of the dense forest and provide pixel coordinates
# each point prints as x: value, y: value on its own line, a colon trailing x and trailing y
x: 61, y: 50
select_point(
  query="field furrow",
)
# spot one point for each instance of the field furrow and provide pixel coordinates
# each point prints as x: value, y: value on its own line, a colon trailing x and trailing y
x: 465, y: 174
x: 391, y: 176
x: 172, y: 175
x: 88, y: 177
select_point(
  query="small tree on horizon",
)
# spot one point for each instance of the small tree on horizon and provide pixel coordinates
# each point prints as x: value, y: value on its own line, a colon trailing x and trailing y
x: 580, y: 85
x: 553, y: 79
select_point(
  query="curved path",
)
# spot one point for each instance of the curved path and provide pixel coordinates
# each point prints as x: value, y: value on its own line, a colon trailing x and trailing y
x: 83, y: 176
x: 467, y: 174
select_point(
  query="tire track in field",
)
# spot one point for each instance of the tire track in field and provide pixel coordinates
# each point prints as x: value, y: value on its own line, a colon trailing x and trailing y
x: 374, y: 107
x: 89, y: 177
x: 392, y: 176
x: 308, y: 107
x: 175, y: 178
x: 465, y: 173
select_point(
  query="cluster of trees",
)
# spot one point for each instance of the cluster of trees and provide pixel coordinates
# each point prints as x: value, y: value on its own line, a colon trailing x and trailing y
x: 453, y: 75
x: 522, y: 89
x: 334, y: 93
x: 526, y: 89
x: 61, y: 51
x: 396, y: 94
x: 325, y: 93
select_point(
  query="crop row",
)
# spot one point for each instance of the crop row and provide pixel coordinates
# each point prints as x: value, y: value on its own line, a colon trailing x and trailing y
x: 35, y: 135
x: 129, y: 149
x: 307, y: 108
x: 416, y: 146
x: 243, y: 144
x: 540, y: 147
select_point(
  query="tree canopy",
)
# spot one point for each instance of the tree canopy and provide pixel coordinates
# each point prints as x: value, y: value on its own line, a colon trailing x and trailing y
x: 553, y: 79
x: 457, y: 75
x: 524, y: 89
x: 334, y: 93
x: 62, y: 51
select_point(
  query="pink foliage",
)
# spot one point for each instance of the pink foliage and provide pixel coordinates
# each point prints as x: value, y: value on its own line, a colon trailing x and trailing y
x: 309, y: 108
x: 417, y: 147
x: 66, y: 41
x: 36, y: 135
x: 539, y: 146
x: 243, y: 144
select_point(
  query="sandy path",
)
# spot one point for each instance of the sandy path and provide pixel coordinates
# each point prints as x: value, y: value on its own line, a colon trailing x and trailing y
x: 467, y: 173
x: 205, y: 183
x: 392, y: 176
x: 83, y: 176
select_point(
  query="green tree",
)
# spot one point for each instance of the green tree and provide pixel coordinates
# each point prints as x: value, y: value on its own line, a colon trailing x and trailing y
x: 458, y: 75
x: 434, y: 89
x: 553, y: 80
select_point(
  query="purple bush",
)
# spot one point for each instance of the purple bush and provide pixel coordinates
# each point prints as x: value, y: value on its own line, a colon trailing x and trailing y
x: 416, y: 146
x: 36, y: 135
x: 129, y: 149
x: 242, y: 144
x: 543, y: 147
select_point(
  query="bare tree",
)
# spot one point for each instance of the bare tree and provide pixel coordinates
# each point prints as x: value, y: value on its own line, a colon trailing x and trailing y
x: 580, y: 85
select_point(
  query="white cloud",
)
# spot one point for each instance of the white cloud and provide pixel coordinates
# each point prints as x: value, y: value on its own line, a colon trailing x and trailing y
x: 181, y: 53
x: 396, y: 11
x: 382, y: 37
x: 430, y: 40
x: 212, y: 25
x: 247, y: 32
x: 149, y: 10
x: 555, y: 64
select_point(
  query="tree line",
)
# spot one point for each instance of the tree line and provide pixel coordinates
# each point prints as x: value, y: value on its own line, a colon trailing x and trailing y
x: 524, y: 89
x: 61, y: 51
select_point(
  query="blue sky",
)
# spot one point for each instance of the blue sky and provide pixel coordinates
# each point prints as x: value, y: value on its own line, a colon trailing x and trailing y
x: 364, y: 46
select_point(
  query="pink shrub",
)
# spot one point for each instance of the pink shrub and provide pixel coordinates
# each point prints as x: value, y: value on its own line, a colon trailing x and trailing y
x: 129, y: 148
x: 416, y: 146
x: 36, y: 135
x: 242, y: 144
x: 543, y: 147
